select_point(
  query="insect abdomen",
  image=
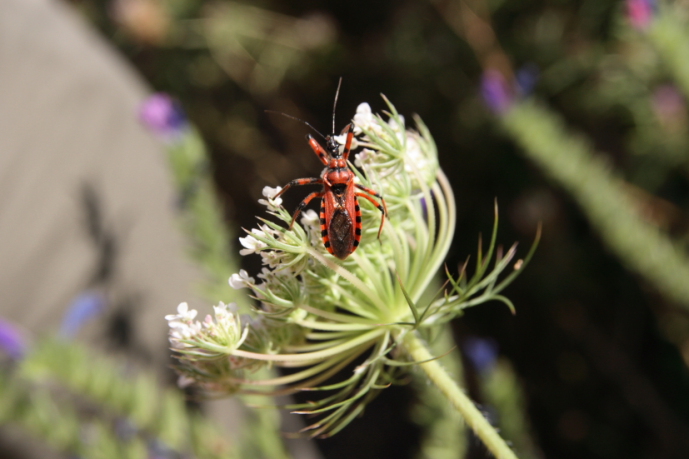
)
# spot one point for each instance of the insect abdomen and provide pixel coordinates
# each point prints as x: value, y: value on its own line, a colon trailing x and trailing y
x: 341, y: 234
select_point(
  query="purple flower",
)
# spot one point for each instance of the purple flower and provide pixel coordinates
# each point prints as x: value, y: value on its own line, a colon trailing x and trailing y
x: 496, y: 92
x: 12, y: 340
x: 527, y: 77
x: 164, y: 116
x: 85, y: 307
x: 482, y: 353
x: 640, y: 13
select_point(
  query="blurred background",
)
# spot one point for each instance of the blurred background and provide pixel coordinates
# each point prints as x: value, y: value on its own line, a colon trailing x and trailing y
x: 595, y: 361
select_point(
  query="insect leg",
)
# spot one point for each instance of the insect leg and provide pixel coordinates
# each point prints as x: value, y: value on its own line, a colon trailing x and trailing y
x: 348, y: 143
x: 299, y: 182
x: 381, y: 206
x: 375, y: 194
x: 304, y: 203
x: 318, y: 149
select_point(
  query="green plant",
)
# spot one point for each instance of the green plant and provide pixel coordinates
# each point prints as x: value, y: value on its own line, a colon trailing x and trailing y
x: 318, y: 315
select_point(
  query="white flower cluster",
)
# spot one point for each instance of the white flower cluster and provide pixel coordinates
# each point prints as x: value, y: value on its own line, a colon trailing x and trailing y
x: 183, y: 328
x: 215, y: 336
x: 365, y: 120
x: 394, y: 152
x: 279, y: 248
x: 285, y: 254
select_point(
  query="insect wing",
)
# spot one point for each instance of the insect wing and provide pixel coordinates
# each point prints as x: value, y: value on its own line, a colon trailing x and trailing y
x: 340, y: 224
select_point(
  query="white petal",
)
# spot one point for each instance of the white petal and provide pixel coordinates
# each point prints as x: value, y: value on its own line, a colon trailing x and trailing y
x: 270, y: 193
x: 236, y: 282
x: 248, y: 241
x: 271, y: 204
x: 309, y: 218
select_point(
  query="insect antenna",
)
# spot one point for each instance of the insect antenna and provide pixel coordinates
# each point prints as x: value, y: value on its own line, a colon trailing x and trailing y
x: 337, y: 93
x: 298, y: 119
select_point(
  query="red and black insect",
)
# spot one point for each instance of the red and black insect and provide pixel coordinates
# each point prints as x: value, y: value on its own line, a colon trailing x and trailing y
x: 340, y: 214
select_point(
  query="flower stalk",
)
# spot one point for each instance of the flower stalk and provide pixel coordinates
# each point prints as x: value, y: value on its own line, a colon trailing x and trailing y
x: 347, y: 329
x: 473, y: 417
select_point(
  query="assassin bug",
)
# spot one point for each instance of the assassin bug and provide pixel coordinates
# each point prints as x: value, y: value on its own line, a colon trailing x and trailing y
x: 340, y: 215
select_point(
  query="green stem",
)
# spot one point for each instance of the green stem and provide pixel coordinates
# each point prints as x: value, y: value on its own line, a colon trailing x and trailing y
x: 602, y: 195
x: 473, y: 417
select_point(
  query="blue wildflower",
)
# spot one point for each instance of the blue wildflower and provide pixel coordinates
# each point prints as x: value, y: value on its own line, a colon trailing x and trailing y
x: 12, y: 340
x: 482, y: 353
x: 497, y: 93
x: 86, y: 306
x: 527, y: 77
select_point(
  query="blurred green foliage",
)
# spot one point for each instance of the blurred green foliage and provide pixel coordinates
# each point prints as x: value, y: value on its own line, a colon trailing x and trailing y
x: 93, y: 407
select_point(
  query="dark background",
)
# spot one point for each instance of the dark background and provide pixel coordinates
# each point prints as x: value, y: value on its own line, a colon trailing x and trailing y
x: 598, y: 351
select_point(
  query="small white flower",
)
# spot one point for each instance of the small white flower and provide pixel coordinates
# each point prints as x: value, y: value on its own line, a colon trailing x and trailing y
x: 184, y: 311
x: 251, y: 244
x: 224, y: 311
x: 271, y: 203
x: 363, y: 157
x: 270, y: 192
x: 342, y: 139
x: 311, y: 223
x: 265, y: 230
x: 241, y: 280
x: 270, y: 258
x: 226, y: 330
x: 183, y: 331
x: 364, y: 119
x: 265, y: 272
x: 184, y: 314
x: 309, y: 218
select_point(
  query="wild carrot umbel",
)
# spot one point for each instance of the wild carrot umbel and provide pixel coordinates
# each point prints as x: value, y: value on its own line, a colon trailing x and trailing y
x: 317, y: 315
